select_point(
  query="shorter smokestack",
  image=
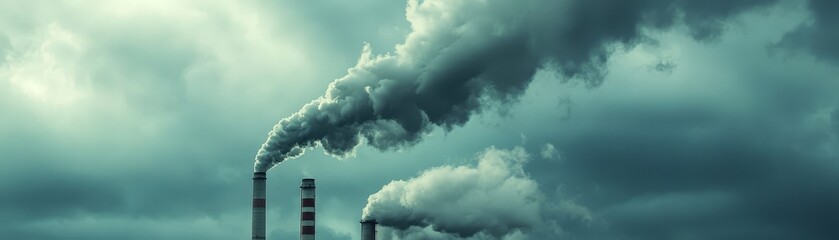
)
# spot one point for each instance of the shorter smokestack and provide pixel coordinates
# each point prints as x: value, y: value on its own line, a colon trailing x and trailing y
x: 368, y: 229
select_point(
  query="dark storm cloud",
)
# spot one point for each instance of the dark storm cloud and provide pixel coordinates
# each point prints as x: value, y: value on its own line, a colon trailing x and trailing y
x: 151, y: 147
x: 50, y: 194
x: 762, y: 185
x: 819, y: 36
x: 462, y: 56
x: 750, y: 156
x: 44, y: 202
x: 834, y: 116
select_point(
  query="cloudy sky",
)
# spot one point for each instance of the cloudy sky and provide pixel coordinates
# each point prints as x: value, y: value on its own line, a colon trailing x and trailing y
x: 473, y: 119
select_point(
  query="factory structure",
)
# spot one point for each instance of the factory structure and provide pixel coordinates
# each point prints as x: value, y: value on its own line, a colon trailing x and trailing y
x: 307, y: 211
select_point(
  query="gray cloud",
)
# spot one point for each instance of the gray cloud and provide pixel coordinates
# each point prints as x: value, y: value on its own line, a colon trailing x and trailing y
x: 769, y: 194
x: 138, y: 121
x: 737, y: 153
x: 124, y: 121
x: 834, y: 117
x: 818, y: 37
x: 57, y: 194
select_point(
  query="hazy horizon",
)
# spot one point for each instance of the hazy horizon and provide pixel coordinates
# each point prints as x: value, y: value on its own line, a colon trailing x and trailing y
x: 484, y: 119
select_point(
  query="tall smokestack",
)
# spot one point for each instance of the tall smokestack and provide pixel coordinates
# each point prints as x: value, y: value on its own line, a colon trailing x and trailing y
x: 258, y: 220
x: 307, y: 209
x: 368, y: 229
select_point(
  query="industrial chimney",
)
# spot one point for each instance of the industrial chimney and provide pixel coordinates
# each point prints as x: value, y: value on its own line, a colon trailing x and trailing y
x: 368, y: 229
x: 307, y: 209
x: 258, y: 220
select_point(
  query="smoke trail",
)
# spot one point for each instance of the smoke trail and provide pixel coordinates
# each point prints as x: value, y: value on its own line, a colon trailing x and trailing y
x: 464, y: 55
x: 491, y: 200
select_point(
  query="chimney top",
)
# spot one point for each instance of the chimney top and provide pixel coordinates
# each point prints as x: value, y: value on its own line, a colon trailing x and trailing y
x: 308, y: 183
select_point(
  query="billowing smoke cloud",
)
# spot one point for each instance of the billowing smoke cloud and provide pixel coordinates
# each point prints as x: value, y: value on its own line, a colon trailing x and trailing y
x: 464, y: 55
x: 491, y: 200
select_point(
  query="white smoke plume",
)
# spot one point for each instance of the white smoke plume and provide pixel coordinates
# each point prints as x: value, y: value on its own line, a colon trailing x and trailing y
x: 464, y: 55
x: 427, y: 233
x: 494, y: 199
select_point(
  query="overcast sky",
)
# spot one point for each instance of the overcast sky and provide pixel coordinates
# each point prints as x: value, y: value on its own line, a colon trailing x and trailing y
x: 644, y: 119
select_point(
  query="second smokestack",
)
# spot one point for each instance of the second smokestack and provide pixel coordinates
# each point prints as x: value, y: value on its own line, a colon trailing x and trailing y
x: 368, y: 229
x: 307, y: 209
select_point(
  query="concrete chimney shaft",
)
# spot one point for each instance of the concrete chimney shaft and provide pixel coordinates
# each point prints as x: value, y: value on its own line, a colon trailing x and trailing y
x: 258, y: 221
x: 368, y: 229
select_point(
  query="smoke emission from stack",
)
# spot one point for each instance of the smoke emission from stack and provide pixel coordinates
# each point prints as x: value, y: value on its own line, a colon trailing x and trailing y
x: 463, y: 56
x: 491, y: 200
x: 258, y: 220
x: 307, y: 209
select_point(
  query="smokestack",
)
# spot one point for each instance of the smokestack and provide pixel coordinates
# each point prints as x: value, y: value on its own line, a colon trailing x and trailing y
x: 368, y: 229
x: 258, y: 206
x: 307, y: 209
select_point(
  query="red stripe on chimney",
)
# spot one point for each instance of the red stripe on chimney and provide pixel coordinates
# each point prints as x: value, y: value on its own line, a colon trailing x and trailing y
x: 259, y: 203
x: 308, y: 202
